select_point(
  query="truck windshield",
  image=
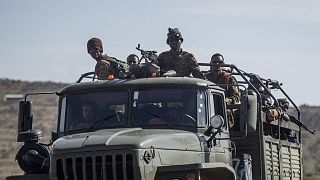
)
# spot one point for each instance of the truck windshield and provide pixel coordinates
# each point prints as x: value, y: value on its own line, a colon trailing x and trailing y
x: 94, y: 111
x: 169, y: 107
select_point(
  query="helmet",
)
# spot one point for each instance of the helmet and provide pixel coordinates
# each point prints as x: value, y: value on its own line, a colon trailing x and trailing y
x: 94, y: 42
x: 284, y: 103
x: 174, y: 34
x: 217, y: 58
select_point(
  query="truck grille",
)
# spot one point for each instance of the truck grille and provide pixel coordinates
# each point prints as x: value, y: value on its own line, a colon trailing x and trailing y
x: 104, y: 167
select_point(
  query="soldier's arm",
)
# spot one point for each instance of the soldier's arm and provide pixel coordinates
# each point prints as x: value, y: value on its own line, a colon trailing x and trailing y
x: 159, y: 60
x: 235, y: 91
x: 160, y: 63
x: 194, y: 68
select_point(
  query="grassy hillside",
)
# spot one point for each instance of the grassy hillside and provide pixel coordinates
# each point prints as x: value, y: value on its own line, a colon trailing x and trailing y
x: 44, y: 110
x: 311, y: 117
x: 45, y: 113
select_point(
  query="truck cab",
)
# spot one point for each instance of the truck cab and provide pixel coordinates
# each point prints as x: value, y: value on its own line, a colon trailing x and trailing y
x: 143, y: 129
x: 151, y: 128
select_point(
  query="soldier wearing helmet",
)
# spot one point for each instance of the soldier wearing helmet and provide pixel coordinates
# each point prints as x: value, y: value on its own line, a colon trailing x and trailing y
x: 105, y: 65
x: 182, y: 62
x: 222, y: 77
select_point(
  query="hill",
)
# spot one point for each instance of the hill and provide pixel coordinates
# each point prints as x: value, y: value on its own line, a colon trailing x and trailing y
x: 45, y: 113
x: 311, y: 143
x: 45, y: 117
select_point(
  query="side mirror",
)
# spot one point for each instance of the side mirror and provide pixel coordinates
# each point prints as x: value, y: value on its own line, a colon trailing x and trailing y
x: 25, y: 131
x: 25, y: 116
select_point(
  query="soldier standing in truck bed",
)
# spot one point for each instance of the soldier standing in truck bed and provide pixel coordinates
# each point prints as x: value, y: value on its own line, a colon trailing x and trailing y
x: 182, y: 62
x: 220, y: 76
x: 105, y: 65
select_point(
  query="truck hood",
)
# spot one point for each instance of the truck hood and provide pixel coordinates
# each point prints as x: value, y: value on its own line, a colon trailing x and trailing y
x: 135, y: 138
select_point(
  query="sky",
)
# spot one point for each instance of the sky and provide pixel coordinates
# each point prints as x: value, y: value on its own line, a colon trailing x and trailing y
x: 278, y: 39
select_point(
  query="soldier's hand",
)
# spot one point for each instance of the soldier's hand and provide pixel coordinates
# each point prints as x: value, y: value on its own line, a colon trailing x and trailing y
x: 228, y: 101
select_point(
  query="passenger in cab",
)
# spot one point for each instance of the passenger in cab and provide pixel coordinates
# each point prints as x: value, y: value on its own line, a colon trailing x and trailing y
x: 89, y: 111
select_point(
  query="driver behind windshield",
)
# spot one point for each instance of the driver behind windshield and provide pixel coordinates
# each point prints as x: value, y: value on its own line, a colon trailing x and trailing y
x: 89, y: 110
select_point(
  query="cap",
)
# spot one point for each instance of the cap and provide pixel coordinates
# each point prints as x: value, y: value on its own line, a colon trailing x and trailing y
x: 94, y: 43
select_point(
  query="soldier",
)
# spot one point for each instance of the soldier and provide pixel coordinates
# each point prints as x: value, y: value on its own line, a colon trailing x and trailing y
x: 105, y: 65
x: 218, y: 75
x: 142, y: 70
x: 89, y: 111
x: 182, y: 62
x: 132, y: 59
x: 265, y: 96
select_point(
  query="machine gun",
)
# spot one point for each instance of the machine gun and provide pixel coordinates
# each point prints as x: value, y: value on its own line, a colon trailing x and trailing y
x: 148, y: 56
x: 288, y: 117
x: 123, y: 66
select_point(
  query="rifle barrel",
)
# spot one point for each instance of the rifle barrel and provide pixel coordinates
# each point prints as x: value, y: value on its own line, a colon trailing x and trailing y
x: 299, y: 123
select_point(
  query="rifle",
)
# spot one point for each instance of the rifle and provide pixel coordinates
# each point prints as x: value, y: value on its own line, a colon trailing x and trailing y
x: 123, y: 66
x: 147, y: 55
x: 288, y: 117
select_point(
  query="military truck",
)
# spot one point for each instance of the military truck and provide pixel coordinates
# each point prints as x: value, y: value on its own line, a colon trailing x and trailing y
x: 163, y: 128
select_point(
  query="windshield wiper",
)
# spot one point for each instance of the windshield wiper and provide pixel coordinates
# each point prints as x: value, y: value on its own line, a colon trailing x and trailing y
x: 152, y: 113
x: 101, y: 120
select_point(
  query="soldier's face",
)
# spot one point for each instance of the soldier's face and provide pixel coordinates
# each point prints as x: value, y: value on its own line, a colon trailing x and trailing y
x: 132, y: 61
x: 95, y: 53
x: 88, y: 113
x: 216, y: 65
x: 175, y: 44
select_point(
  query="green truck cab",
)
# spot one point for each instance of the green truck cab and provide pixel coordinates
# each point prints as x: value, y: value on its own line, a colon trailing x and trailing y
x: 164, y: 128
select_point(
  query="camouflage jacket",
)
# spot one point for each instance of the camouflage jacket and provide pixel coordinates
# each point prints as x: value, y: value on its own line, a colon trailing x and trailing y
x: 104, y: 68
x: 224, y: 77
x: 183, y: 63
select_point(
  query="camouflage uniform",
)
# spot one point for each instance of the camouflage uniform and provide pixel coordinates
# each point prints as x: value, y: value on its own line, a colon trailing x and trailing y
x: 232, y: 93
x: 183, y: 63
x: 224, y: 77
x: 104, y: 68
x: 272, y: 113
